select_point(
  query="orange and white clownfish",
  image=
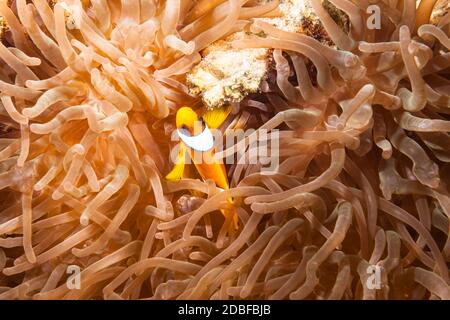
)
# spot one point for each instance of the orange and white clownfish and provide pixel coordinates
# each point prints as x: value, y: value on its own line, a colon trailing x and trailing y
x: 198, y: 140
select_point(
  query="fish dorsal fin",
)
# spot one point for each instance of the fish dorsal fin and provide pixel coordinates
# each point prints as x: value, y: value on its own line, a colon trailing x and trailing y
x: 215, y: 117
x: 178, y: 169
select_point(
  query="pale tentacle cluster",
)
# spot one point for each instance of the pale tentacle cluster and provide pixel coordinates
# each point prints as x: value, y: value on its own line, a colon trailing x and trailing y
x: 88, y: 92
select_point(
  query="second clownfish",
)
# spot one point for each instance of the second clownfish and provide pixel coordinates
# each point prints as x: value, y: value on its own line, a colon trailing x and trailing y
x: 198, y: 141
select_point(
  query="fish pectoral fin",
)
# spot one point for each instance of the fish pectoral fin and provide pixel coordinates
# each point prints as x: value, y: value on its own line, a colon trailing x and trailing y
x: 215, y: 117
x: 235, y: 202
x: 178, y: 170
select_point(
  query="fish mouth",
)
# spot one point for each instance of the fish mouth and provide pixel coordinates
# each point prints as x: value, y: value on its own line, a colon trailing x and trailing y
x: 201, y: 142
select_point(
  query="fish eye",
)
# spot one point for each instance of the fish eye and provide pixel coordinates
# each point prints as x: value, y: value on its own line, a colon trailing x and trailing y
x: 185, y: 130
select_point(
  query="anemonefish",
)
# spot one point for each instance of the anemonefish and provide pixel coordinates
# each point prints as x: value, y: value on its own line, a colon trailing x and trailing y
x: 197, y: 139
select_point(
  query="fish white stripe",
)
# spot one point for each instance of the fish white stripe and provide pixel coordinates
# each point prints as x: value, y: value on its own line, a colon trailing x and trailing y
x: 201, y: 142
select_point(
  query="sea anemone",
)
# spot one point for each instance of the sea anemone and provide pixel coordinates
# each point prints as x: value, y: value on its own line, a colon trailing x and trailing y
x: 89, y: 90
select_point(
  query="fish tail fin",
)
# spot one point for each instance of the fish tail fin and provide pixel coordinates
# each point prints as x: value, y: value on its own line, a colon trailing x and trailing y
x: 215, y: 117
x: 231, y: 214
x: 235, y: 220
